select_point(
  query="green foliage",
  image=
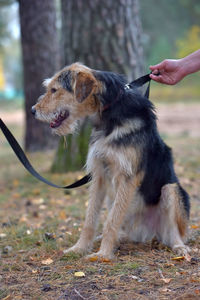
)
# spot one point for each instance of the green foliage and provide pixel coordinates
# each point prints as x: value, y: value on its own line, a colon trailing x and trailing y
x: 190, y: 42
x: 165, y: 22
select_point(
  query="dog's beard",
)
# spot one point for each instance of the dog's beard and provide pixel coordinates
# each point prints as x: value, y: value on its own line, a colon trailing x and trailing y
x: 61, y: 121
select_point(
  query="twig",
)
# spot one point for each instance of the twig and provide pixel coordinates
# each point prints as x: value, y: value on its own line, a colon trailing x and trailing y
x: 77, y: 292
x: 161, y: 274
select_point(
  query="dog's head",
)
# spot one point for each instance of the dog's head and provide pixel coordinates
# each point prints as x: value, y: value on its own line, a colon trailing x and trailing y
x: 70, y: 96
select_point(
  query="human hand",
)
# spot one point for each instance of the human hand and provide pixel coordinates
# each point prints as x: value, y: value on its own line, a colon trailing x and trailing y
x: 169, y: 71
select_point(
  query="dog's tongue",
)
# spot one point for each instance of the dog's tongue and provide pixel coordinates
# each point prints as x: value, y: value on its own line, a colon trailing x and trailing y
x: 55, y: 124
x: 58, y: 121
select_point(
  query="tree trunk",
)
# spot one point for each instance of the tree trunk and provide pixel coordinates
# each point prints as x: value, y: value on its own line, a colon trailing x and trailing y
x: 40, y: 61
x: 104, y: 35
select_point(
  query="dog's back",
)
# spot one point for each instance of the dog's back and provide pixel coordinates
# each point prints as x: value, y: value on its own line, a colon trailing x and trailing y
x: 127, y: 105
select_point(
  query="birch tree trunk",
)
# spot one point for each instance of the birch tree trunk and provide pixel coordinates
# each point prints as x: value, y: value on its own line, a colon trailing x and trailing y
x: 105, y: 35
x: 40, y: 61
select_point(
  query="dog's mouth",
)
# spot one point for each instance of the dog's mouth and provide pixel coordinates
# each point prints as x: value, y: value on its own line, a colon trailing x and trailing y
x: 59, y: 119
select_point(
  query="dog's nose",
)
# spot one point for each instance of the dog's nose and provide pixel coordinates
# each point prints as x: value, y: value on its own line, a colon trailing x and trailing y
x: 33, y: 110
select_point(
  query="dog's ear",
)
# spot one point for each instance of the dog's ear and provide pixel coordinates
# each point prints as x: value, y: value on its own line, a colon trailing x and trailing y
x: 83, y: 87
x: 65, y: 78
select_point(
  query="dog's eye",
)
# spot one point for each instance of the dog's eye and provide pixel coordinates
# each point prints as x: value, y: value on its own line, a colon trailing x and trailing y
x: 53, y: 90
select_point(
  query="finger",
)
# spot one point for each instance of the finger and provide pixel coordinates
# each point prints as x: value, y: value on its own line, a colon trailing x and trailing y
x: 156, y: 77
x: 156, y: 72
x: 158, y: 66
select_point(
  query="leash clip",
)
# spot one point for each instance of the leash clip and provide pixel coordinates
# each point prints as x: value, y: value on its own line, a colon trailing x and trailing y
x: 127, y: 86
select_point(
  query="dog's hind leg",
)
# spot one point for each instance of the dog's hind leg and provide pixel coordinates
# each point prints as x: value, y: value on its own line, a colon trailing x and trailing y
x: 97, y: 195
x: 173, y: 219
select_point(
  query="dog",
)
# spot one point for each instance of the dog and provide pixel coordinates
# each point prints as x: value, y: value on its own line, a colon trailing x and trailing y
x: 132, y: 168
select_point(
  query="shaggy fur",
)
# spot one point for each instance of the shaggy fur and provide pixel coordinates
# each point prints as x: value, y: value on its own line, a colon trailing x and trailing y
x: 131, y: 166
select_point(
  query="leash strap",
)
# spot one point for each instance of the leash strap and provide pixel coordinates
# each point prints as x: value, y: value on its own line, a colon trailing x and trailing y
x: 24, y: 160
x: 140, y: 82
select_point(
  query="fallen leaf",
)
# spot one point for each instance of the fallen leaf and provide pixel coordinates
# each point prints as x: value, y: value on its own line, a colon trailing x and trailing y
x: 38, y: 201
x: 134, y: 277
x: 34, y: 271
x: 15, y: 182
x: 2, y: 235
x: 62, y: 215
x: 93, y: 258
x: 194, y: 226
x: 7, y: 298
x: 194, y: 279
x: 188, y: 257
x: 16, y: 195
x: 23, y: 219
x: 100, y: 259
x: 47, y: 261
x: 164, y: 290
x: 79, y: 274
x: 197, y: 292
x: 178, y: 258
x: 36, y: 192
x: 166, y: 280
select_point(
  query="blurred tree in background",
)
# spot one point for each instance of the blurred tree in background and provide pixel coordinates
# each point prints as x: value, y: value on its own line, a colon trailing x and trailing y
x: 40, y: 61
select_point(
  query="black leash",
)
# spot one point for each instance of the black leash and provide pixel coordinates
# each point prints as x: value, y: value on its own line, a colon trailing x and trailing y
x: 24, y: 160
x: 140, y: 82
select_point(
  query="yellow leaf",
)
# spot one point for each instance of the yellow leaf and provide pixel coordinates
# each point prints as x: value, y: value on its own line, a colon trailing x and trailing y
x: 36, y: 192
x: 15, y: 182
x: 93, y: 258
x: 178, y: 258
x: 194, y: 226
x: 47, y: 261
x: 79, y: 274
x: 62, y: 215
x: 7, y: 298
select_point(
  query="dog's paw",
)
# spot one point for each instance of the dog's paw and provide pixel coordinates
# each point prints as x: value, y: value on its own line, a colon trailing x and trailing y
x: 76, y: 249
x: 100, y: 256
x: 181, y: 250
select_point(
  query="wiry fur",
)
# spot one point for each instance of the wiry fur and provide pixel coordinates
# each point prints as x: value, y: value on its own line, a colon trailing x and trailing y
x: 131, y: 166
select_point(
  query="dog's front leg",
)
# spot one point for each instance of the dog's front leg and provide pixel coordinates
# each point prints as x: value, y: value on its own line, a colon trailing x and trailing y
x: 124, y: 194
x: 97, y: 195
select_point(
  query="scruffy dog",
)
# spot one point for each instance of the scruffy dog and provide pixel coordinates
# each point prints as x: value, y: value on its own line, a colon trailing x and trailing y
x: 131, y: 167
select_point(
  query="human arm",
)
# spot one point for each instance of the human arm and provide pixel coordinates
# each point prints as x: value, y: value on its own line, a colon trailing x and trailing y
x: 171, y: 71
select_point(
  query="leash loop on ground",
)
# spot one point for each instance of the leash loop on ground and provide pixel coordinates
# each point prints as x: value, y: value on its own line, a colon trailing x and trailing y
x: 25, y: 162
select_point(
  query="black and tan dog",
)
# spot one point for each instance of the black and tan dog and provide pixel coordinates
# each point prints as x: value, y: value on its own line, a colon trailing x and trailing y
x: 131, y: 167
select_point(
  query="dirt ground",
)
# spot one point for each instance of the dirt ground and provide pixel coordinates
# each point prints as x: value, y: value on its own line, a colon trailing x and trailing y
x: 38, y: 222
